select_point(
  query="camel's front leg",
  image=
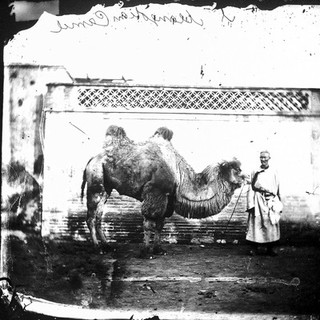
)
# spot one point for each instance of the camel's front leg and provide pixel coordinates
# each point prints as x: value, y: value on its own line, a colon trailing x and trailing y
x: 153, y: 210
x: 148, y: 228
x: 157, y: 249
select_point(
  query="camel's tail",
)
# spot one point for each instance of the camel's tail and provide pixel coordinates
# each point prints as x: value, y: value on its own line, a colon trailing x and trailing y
x: 84, y: 181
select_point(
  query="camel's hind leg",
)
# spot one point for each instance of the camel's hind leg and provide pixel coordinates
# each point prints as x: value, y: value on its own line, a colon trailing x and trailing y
x: 95, y: 204
x: 91, y: 221
x: 98, y: 226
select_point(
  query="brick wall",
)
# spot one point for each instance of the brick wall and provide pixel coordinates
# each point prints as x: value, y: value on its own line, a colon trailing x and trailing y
x: 122, y: 221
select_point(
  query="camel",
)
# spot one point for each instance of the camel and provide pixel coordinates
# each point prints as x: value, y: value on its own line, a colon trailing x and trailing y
x: 154, y: 173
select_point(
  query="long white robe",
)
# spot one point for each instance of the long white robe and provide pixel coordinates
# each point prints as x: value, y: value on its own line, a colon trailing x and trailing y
x: 263, y: 222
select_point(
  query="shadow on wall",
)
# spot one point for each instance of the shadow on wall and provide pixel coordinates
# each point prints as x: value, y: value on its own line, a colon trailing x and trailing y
x: 117, y: 227
x: 300, y: 221
x: 299, y: 233
x: 21, y: 196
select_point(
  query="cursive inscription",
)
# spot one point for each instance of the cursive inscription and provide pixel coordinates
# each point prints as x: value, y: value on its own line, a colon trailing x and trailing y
x: 155, y: 19
x: 101, y: 19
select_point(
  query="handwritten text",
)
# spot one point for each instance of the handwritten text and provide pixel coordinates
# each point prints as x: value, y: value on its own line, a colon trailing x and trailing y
x: 101, y: 19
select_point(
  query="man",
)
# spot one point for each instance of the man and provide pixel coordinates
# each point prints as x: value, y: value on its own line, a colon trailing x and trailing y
x: 264, y: 207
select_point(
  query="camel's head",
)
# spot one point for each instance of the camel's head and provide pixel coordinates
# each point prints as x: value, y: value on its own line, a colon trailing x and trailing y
x: 231, y: 172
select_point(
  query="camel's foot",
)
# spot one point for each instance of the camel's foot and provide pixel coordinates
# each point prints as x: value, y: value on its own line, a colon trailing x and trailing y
x: 146, y: 253
x: 105, y: 248
x: 102, y: 248
x: 157, y: 250
x: 96, y: 246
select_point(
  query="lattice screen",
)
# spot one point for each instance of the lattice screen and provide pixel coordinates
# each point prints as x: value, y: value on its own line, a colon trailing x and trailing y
x: 193, y: 99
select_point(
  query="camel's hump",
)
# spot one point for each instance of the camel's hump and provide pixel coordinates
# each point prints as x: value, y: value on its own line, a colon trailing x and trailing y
x: 164, y: 132
x: 116, y: 131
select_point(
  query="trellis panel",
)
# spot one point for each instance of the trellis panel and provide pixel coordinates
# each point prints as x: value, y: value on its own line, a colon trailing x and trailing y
x: 191, y: 100
x: 125, y: 98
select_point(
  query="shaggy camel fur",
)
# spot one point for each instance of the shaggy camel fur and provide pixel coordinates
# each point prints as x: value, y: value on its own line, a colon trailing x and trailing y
x: 154, y: 173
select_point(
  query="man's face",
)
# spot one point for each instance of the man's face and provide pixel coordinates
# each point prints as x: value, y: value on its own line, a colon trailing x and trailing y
x: 264, y: 159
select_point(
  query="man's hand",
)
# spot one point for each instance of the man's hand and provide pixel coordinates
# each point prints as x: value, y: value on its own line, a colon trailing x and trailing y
x: 268, y: 195
x: 247, y: 178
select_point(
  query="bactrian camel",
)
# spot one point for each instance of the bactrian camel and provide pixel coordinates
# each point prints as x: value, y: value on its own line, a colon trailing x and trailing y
x: 154, y: 173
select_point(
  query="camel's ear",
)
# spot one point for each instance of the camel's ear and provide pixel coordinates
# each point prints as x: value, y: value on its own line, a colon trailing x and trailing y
x: 235, y: 164
x: 121, y: 133
x: 224, y: 169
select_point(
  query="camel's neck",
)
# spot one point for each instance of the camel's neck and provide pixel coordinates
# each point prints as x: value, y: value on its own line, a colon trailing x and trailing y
x: 195, y: 199
x: 197, y: 195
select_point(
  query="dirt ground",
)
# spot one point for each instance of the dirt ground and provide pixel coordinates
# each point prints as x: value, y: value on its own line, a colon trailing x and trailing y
x: 205, y: 279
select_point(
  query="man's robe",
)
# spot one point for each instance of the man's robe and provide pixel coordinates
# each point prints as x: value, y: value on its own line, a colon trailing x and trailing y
x: 263, y: 221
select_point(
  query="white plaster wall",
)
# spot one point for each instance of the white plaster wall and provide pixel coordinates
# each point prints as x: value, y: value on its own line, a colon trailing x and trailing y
x: 200, y: 140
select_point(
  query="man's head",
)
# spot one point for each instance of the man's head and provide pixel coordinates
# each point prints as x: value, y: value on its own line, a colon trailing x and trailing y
x: 264, y: 159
